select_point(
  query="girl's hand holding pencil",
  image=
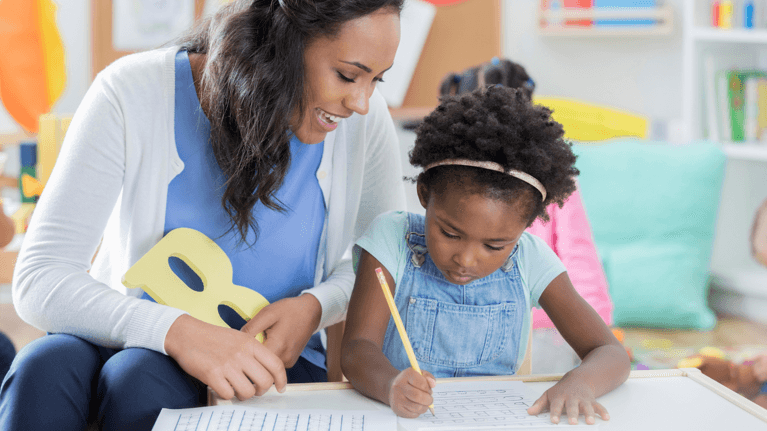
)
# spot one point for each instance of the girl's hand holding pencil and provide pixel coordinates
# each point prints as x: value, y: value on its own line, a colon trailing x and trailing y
x: 407, y: 393
x: 410, y: 393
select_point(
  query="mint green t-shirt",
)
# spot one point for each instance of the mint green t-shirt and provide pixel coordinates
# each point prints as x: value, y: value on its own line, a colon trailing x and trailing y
x: 385, y: 240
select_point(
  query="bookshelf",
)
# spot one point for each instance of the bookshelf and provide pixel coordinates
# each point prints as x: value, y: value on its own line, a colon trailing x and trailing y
x: 739, y: 151
x: 738, y: 281
x: 717, y: 49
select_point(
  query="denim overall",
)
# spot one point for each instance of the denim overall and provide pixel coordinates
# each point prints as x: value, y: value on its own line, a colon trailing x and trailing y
x: 456, y: 330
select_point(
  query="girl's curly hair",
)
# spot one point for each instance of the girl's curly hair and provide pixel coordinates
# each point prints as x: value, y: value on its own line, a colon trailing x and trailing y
x: 498, y: 124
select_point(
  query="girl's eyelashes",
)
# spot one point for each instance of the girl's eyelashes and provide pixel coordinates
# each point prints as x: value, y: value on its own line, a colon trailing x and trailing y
x: 495, y: 248
x: 451, y: 236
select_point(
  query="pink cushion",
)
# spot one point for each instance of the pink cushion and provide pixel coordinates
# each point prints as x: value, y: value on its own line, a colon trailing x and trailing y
x: 568, y: 233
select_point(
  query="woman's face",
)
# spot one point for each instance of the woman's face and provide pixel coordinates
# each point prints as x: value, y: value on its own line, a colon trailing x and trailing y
x: 342, y: 72
x: 469, y: 236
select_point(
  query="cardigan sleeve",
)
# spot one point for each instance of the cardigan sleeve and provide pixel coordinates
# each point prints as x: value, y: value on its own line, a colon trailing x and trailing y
x: 53, y: 289
x: 380, y: 189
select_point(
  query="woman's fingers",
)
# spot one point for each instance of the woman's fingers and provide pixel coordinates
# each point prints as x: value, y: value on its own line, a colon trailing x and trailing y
x: 241, y: 385
x: 222, y: 387
x: 275, y: 367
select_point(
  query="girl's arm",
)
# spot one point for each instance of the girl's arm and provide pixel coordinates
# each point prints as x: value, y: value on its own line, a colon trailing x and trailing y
x: 362, y: 358
x: 605, y: 364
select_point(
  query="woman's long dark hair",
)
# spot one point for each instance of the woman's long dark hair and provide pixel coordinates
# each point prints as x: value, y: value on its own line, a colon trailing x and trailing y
x: 252, y: 84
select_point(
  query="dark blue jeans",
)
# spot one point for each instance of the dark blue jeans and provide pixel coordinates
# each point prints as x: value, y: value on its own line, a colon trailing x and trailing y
x: 63, y: 382
x: 7, y: 352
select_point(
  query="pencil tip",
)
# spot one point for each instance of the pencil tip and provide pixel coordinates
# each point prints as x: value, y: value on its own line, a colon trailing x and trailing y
x: 431, y: 409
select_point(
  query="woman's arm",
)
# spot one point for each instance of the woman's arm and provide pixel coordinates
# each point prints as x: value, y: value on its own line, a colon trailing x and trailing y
x: 605, y: 364
x: 52, y: 287
x: 362, y: 358
x: 54, y: 290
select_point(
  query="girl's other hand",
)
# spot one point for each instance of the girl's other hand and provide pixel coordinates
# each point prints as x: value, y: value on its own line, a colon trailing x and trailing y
x: 570, y: 396
x: 230, y: 362
x: 410, y: 393
x: 287, y: 325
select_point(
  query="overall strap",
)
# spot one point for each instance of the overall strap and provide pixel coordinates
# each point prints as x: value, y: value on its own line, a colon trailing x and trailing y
x: 509, y: 264
x: 416, y: 239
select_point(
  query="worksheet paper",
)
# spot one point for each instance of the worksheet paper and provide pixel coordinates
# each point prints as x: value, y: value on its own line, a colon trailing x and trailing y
x: 487, y: 405
x: 242, y: 418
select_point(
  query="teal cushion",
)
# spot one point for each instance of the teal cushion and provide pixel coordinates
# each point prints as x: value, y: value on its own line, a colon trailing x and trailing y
x: 659, y: 285
x: 652, y: 208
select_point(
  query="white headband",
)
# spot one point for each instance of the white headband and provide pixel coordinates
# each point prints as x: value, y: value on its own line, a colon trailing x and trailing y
x: 529, y: 179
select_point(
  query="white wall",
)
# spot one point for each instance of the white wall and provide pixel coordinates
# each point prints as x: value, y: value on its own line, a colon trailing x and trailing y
x: 641, y: 74
x: 74, y: 22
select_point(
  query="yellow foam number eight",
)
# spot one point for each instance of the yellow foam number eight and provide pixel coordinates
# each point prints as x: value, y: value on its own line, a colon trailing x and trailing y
x: 153, y: 274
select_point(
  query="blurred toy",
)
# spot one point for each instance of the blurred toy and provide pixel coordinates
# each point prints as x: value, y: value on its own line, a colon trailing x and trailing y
x: 759, y: 235
x: 748, y: 378
x: 620, y: 335
x: 7, y: 228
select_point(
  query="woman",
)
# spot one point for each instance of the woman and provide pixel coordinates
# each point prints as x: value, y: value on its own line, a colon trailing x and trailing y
x: 262, y: 130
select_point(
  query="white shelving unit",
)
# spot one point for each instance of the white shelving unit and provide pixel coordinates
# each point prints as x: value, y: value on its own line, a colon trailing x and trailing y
x: 739, y: 284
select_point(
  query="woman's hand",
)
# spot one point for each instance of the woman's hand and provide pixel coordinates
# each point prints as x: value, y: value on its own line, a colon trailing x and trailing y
x: 571, y: 396
x: 230, y: 362
x: 410, y: 393
x: 287, y: 324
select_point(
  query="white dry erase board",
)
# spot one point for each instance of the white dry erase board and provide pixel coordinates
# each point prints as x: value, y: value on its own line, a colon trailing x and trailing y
x: 659, y: 400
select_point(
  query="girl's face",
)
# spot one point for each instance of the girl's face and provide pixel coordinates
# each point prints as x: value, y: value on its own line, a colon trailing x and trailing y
x: 342, y: 72
x: 469, y: 236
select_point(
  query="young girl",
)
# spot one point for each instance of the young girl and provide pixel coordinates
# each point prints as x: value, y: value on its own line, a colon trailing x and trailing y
x: 465, y: 276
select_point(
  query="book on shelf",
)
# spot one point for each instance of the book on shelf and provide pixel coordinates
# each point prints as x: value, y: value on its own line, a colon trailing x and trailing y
x: 736, y: 104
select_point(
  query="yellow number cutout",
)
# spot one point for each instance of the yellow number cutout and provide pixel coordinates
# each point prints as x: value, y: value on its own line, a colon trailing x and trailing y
x: 153, y: 274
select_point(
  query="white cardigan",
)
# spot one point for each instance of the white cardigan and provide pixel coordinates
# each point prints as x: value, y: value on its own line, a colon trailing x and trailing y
x: 111, y: 180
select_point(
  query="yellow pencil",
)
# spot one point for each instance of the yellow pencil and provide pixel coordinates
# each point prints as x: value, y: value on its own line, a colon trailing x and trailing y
x: 400, y: 326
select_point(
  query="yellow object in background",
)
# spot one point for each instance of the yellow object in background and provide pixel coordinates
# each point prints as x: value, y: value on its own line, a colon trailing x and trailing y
x: 725, y: 14
x: 153, y: 274
x: 690, y: 362
x: 47, y: 146
x: 657, y: 343
x: 21, y: 217
x: 588, y: 122
x: 30, y: 186
x: 713, y: 352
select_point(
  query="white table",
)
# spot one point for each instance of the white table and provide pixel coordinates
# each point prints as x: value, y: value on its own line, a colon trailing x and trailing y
x: 682, y: 399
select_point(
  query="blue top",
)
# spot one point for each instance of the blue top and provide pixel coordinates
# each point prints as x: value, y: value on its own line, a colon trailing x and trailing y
x: 282, y: 262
